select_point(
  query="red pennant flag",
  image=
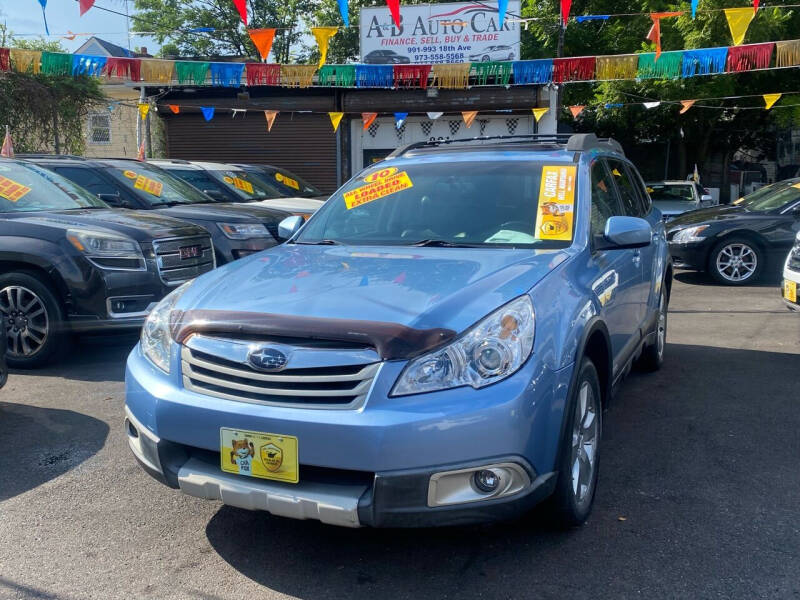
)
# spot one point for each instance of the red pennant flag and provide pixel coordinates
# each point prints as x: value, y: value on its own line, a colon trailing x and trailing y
x: 368, y: 118
x: 141, y: 156
x: 687, y: 104
x: 85, y: 5
x: 174, y: 108
x: 241, y: 6
x: 394, y: 8
x: 8, y: 146
x: 577, y: 109
x: 565, y: 7
x: 262, y: 39
x: 755, y: 5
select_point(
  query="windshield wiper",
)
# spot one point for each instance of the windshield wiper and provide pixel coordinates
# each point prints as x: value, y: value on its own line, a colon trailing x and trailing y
x: 320, y: 243
x: 441, y: 244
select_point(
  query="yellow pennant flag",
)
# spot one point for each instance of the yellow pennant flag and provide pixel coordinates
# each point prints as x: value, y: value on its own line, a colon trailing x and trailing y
x: 270, y: 116
x: 336, y: 118
x: 738, y: 21
x: 538, y: 113
x: 143, y: 110
x: 686, y: 104
x: 469, y: 117
x: 323, y: 36
x: 770, y: 99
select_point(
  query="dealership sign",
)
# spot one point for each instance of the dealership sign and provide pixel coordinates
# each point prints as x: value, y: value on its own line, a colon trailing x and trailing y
x: 439, y: 33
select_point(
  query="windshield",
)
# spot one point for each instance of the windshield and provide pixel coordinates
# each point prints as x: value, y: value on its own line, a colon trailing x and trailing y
x: 771, y: 197
x: 155, y: 185
x: 26, y: 187
x: 199, y: 179
x: 660, y: 192
x: 290, y: 184
x: 244, y: 187
x: 520, y: 204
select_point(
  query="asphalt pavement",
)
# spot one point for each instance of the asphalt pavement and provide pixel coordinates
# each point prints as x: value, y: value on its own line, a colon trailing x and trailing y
x: 699, y: 493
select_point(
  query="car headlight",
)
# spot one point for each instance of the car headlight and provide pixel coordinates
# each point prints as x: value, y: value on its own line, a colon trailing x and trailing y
x: 243, y: 231
x: 690, y: 234
x: 156, y: 337
x: 491, y: 350
x: 107, y: 250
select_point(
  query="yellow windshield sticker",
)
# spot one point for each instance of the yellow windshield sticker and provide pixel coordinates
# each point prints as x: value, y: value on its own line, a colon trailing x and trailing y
x: 554, y: 218
x: 650, y: 190
x: 11, y: 190
x: 151, y: 186
x: 796, y: 185
x: 617, y: 173
x: 287, y: 181
x: 378, y: 187
x: 240, y: 184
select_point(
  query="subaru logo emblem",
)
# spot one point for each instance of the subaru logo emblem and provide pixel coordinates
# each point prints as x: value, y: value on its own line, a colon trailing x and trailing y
x: 267, y: 359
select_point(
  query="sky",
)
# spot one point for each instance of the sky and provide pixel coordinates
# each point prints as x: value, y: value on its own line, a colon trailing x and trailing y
x: 24, y: 17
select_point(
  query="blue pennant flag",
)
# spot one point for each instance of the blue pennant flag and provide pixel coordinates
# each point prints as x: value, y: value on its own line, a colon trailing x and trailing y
x: 208, y: 112
x: 694, y: 8
x: 343, y: 11
x: 502, y: 6
x: 399, y: 119
x: 44, y: 16
x: 582, y: 18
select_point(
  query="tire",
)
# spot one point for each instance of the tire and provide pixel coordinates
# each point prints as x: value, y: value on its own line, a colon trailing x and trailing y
x: 34, y: 320
x: 653, y: 355
x: 573, y: 497
x: 747, y: 270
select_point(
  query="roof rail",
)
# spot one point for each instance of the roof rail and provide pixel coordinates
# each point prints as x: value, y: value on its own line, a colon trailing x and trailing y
x: 575, y: 142
x: 177, y: 161
x: 55, y: 156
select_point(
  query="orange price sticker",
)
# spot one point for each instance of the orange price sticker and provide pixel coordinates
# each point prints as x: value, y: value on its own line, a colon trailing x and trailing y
x: 151, y: 186
x: 287, y: 181
x: 378, y: 188
x: 11, y: 190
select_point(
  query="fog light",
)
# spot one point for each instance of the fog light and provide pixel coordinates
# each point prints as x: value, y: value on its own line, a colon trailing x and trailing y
x: 486, y: 480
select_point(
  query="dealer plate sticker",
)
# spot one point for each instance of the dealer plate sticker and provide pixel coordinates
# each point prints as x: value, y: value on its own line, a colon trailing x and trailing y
x: 379, y: 185
x: 11, y: 190
x: 790, y: 290
x: 255, y: 454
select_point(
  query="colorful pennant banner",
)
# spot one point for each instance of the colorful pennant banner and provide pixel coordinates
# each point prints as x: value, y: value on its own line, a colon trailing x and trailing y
x: 262, y: 40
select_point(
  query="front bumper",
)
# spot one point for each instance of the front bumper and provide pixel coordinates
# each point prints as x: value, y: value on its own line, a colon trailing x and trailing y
x: 790, y: 275
x: 370, y: 466
x: 693, y: 255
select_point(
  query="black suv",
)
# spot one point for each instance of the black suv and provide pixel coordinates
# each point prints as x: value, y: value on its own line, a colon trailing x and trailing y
x: 69, y: 263
x: 238, y: 230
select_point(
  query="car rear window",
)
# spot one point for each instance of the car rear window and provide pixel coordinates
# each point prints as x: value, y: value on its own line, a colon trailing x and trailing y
x: 499, y: 203
x: 26, y: 187
x: 660, y: 192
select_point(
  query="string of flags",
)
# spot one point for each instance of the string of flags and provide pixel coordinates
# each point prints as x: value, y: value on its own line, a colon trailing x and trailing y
x: 672, y: 64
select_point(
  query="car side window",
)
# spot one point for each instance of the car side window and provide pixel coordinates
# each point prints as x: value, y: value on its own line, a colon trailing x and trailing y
x: 631, y: 204
x: 88, y: 180
x: 604, y: 201
x: 641, y: 188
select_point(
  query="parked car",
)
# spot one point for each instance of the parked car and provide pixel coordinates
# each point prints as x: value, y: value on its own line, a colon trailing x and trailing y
x: 791, y: 276
x: 237, y: 229
x: 3, y: 345
x: 71, y: 264
x: 738, y: 244
x: 284, y: 180
x: 232, y: 183
x: 414, y: 355
x: 493, y: 53
x: 386, y: 57
x: 673, y: 198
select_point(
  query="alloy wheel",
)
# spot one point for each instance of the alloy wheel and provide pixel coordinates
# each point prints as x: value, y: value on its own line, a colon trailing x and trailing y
x: 737, y: 262
x: 585, y: 437
x: 27, y: 324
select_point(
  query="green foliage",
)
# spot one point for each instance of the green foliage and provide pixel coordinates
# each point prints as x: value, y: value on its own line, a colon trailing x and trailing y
x: 35, y: 105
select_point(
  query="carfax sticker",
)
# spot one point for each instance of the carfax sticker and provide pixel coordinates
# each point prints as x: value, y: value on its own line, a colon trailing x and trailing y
x: 287, y: 181
x: 554, y: 218
x: 379, y: 185
x: 11, y: 190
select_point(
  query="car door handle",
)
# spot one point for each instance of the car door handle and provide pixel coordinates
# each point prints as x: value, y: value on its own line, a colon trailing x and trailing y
x: 637, y: 258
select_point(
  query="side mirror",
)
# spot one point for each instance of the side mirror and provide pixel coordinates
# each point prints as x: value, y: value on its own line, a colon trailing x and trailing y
x: 706, y: 199
x: 626, y: 232
x: 215, y: 195
x: 289, y: 226
x: 114, y: 200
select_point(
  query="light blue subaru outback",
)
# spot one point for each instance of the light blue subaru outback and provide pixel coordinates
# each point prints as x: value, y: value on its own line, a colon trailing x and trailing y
x: 435, y: 346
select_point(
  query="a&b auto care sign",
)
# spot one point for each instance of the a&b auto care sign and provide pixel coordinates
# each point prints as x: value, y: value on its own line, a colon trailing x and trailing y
x: 439, y: 33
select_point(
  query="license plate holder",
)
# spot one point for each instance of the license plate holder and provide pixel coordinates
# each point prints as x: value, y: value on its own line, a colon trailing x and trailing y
x: 256, y: 454
x: 790, y: 291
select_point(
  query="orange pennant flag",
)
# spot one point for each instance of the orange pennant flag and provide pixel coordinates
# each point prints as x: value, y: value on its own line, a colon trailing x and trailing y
x: 270, y: 116
x: 262, y: 39
x: 654, y: 35
x: 368, y: 118
x: 174, y: 108
x: 687, y: 104
x: 141, y: 155
x: 576, y: 110
x: 469, y: 117
x: 336, y: 118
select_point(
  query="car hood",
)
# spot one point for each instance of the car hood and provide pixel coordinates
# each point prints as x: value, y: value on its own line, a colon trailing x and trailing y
x: 670, y: 208
x: 225, y: 212
x: 421, y: 288
x: 708, y: 215
x: 293, y: 205
x: 139, y: 225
